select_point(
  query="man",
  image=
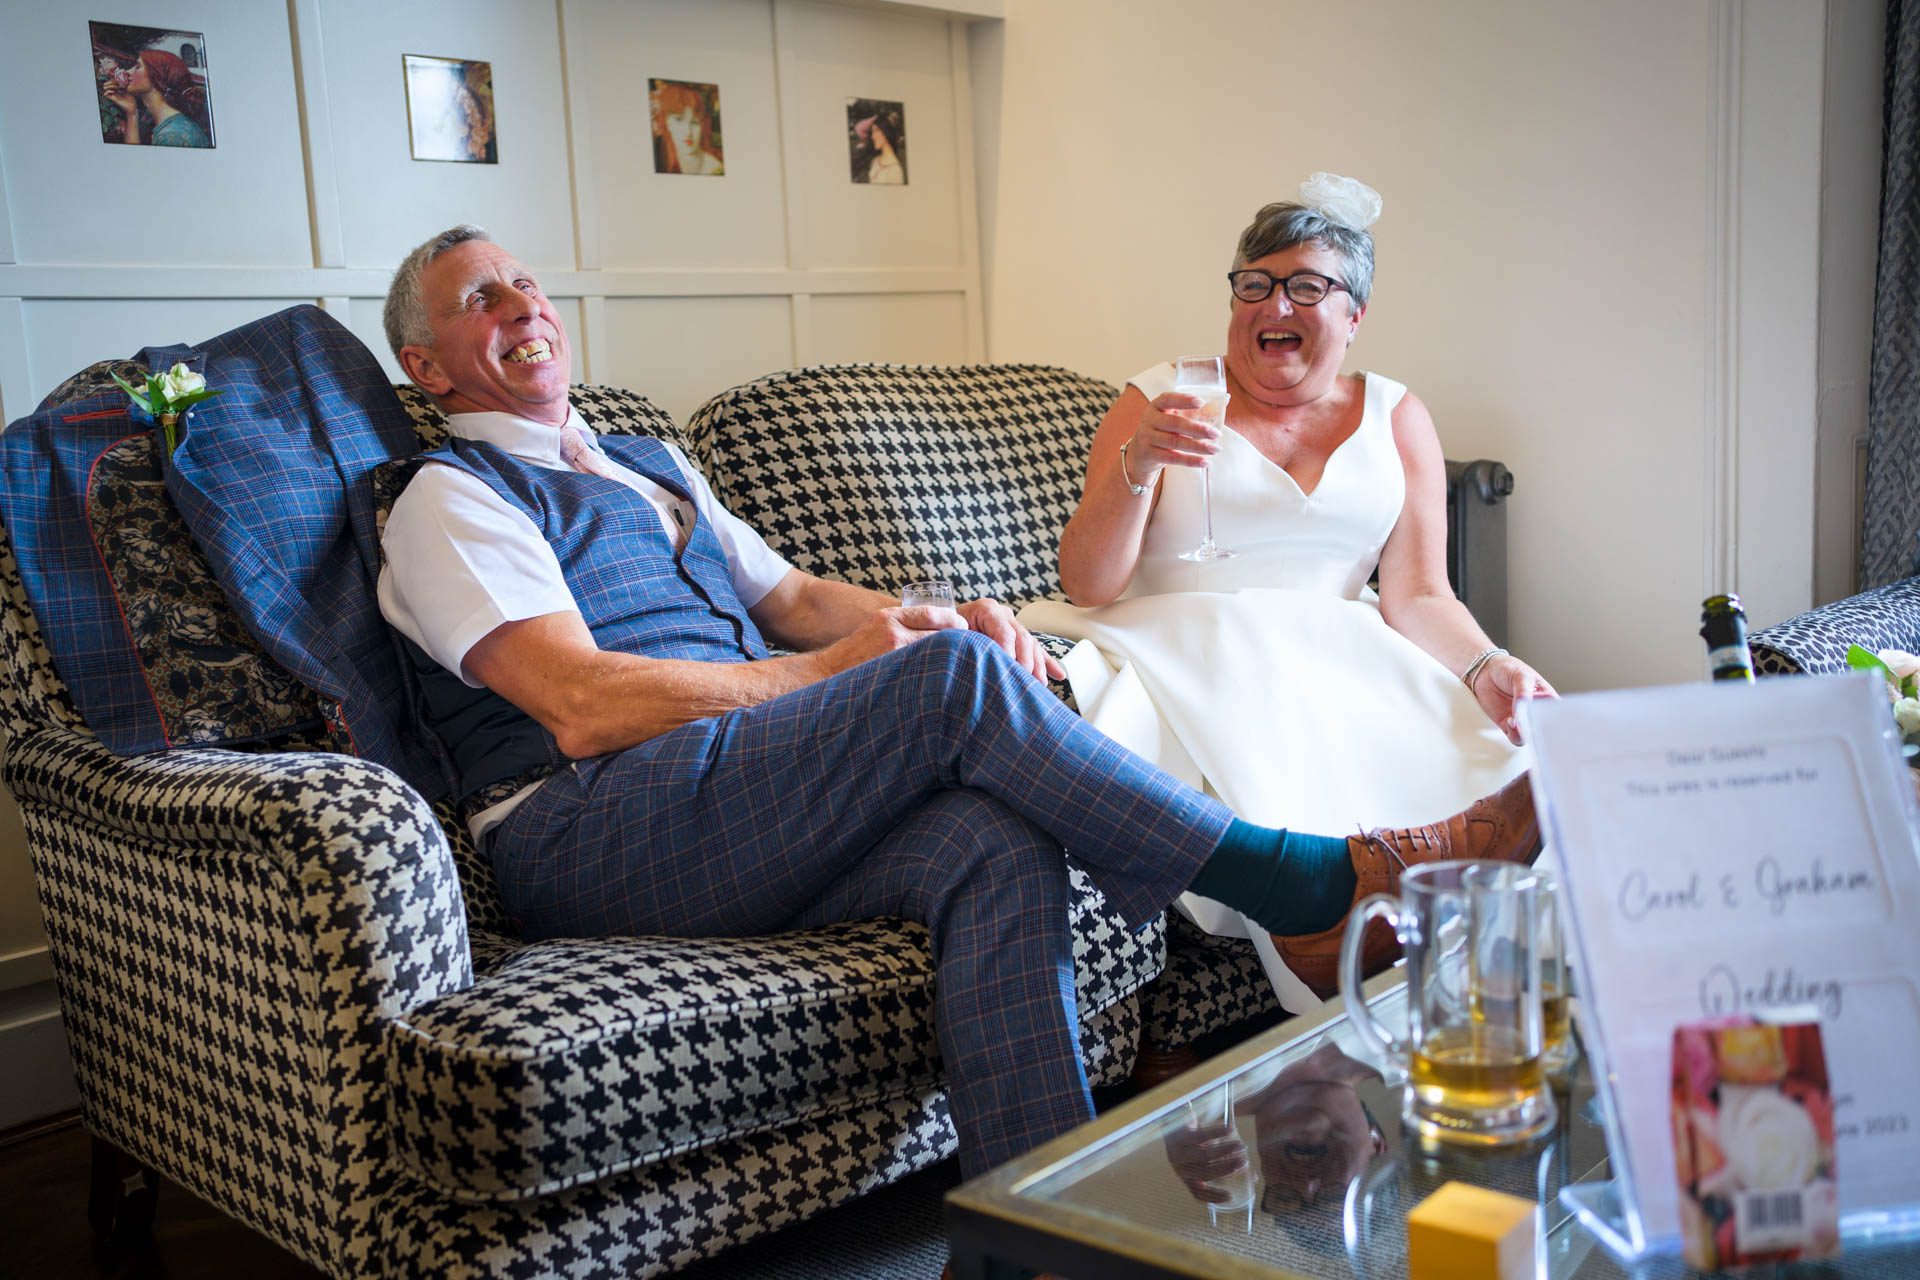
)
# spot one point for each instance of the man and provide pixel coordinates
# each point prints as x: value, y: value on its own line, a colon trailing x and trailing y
x: 587, y: 621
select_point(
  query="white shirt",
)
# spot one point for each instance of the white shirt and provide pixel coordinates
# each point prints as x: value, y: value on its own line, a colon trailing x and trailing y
x: 460, y: 559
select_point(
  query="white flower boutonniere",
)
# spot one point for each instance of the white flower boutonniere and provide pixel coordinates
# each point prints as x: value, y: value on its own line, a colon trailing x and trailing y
x: 167, y: 396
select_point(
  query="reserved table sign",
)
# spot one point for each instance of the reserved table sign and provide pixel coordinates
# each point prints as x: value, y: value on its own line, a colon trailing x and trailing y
x: 1727, y: 849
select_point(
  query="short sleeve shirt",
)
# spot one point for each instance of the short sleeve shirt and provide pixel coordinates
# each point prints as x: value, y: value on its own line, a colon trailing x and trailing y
x: 460, y: 559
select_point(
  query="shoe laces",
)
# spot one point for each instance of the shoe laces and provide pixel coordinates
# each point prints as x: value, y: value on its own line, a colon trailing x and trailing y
x: 1376, y: 839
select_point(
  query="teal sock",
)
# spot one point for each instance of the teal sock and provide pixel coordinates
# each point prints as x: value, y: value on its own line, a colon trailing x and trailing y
x: 1288, y: 882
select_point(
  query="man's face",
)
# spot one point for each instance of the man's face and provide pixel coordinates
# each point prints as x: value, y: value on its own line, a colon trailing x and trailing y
x: 497, y: 342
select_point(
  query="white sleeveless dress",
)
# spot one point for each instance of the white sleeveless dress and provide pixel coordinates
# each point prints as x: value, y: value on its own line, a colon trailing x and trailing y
x: 1270, y: 679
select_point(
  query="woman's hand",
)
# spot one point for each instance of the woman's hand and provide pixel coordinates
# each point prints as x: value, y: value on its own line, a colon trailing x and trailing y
x: 1501, y: 685
x: 1166, y: 437
x: 118, y: 96
x: 995, y: 621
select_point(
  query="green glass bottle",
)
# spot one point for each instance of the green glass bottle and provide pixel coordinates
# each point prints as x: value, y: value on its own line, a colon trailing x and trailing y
x: 1723, y: 625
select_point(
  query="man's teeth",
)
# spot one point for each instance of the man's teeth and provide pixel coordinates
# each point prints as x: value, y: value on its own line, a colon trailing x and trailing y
x: 535, y: 352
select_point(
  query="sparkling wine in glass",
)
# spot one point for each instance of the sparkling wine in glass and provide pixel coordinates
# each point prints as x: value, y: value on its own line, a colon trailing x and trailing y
x: 1205, y: 377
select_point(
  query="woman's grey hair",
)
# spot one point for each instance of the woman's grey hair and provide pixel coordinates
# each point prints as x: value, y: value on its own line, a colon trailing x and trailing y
x: 1285, y: 224
x: 405, y: 314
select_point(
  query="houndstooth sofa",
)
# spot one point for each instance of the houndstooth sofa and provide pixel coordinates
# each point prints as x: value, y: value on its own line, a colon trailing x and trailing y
x: 289, y: 984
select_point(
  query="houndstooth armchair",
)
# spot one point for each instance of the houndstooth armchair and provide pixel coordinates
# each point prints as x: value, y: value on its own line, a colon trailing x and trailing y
x: 289, y: 983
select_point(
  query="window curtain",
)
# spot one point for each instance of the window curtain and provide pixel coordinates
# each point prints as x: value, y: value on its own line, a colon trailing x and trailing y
x: 1892, y: 519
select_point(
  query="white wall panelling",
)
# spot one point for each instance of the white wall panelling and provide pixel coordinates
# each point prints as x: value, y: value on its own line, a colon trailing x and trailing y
x: 840, y: 53
x: 240, y: 203
x: 6, y: 209
x: 676, y: 349
x: 910, y: 327
x: 65, y: 335
x: 676, y: 221
x: 575, y: 36
x: 316, y: 132
x: 389, y: 201
x: 16, y: 381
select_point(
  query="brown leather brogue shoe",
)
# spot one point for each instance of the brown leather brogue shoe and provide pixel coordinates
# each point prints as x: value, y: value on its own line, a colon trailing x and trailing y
x: 1502, y: 827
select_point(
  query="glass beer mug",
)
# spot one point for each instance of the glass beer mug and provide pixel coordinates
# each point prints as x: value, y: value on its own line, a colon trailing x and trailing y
x: 1475, y: 1039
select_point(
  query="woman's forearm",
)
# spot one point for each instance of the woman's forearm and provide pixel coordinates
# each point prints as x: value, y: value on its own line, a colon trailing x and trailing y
x: 1101, y: 544
x: 1439, y: 624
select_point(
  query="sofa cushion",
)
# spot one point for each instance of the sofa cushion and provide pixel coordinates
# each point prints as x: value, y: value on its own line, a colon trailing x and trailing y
x: 878, y: 474
x: 1816, y: 642
x: 576, y: 1059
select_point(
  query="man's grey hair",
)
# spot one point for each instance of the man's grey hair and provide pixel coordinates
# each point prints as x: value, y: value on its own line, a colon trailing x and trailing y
x: 406, y: 311
x: 1285, y: 224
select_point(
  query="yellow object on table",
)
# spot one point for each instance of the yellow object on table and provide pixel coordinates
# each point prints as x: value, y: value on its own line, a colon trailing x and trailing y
x: 1463, y: 1232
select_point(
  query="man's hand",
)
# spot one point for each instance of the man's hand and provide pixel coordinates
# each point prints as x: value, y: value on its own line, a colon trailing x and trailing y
x: 995, y: 621
x: 885, y: 630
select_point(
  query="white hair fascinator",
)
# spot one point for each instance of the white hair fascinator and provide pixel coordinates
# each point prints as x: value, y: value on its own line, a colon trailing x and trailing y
x: 1350, y: 203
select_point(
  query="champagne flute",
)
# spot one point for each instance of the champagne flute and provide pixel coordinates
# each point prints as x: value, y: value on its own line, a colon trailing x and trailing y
x: 1205, y: 377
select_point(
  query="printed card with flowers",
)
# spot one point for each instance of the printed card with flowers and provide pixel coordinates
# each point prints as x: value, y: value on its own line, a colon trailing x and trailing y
x: 1738, y: 852
x: 1753, y: 1140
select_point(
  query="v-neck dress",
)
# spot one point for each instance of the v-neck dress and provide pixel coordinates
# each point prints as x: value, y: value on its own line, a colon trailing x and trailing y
x: 1270, y: 679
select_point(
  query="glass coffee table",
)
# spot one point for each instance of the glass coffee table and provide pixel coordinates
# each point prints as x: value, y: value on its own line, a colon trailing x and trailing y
x: 1331, y: 1177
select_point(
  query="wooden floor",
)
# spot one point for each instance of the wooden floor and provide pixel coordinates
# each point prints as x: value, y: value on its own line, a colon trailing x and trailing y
x: 44, y: 1234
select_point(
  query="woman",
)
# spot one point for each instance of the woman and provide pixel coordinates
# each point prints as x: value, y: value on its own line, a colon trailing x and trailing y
x: 682, y: 132
x: 161, y: 88
x: 874, y: 159
x: 1277, y: 679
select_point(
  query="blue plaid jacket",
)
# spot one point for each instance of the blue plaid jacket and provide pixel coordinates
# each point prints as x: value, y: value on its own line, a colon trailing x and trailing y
x: 273, y: 479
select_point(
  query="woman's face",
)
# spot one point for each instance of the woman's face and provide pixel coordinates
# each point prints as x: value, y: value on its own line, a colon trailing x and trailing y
x: 683, y: 126
x: 138, y: 81
x: 1284, y: 354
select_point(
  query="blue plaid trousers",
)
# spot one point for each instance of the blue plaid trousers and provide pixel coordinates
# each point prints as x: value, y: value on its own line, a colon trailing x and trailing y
x: 937, y: 783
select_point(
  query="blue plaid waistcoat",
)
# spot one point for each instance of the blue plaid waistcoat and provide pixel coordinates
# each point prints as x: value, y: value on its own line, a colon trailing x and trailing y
x: 635, y: 594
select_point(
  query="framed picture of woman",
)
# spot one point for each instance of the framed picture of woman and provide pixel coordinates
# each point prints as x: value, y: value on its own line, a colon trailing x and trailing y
x: 151, y: 84
x: 877, y: 141
x: 450, y: 109
x: 685, y: 115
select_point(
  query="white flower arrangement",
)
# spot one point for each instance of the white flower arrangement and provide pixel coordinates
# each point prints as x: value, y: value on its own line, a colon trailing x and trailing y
x: 1901, y: 671
x: 169, y: 395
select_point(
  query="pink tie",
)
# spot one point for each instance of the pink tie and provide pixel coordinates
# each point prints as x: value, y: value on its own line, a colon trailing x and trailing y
x: 583, y: 457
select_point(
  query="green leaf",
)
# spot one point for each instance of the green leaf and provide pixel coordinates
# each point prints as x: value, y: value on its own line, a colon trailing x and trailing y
x: 1867, y: 660
x: 132, y: 395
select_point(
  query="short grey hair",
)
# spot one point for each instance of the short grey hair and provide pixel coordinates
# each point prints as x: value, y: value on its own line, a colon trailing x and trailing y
x: 1285, y: 224
x: 405, y: 314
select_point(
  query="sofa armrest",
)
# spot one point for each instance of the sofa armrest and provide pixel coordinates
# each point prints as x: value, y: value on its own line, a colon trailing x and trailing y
x: 230, y: 933
x: 1816, y: 642
x: 361, y: 859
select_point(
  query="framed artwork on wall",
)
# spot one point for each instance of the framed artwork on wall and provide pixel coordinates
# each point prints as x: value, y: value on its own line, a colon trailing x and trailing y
x: 686, y: 127
x: 450, y: 109
x: 151, y: 84
x: 877, y: 141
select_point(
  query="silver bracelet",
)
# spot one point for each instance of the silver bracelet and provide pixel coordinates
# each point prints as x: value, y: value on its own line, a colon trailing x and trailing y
x: 1137, y: 489
x: 1473, y: 668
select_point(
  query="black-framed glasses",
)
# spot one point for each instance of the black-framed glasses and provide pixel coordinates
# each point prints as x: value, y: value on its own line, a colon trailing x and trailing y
x: 1304, y: 288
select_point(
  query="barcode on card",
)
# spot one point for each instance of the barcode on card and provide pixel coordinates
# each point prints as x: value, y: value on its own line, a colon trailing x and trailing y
x: 1767, y: 1220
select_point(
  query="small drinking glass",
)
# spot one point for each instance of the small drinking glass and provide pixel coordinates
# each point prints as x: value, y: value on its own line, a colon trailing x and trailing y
x: 935, y: 592
x: 1556, y: 1021
x: 1205, y: 377
x: 1213, y: 1110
